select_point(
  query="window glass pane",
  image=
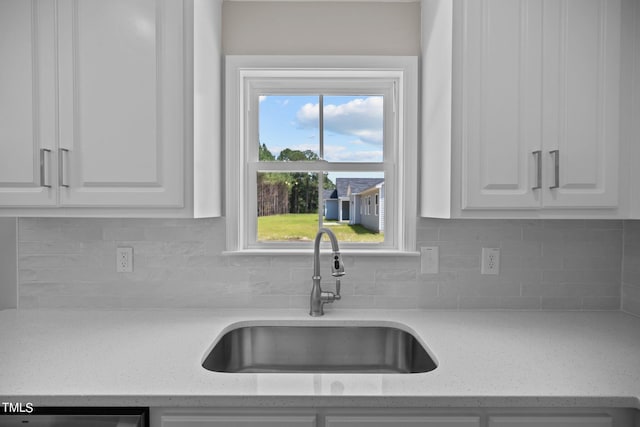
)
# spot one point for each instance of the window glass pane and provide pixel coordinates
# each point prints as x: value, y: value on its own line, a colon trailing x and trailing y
x: 287, y: 206
x: 348, y: 208
x: 288, y: 128
x: 353, y: 128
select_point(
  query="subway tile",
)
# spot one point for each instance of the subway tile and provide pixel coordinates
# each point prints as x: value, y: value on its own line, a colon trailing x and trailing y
x: 541, y: 263
x: 461, y: 248
x: 563, y: 224
x: 632, y: 225
x: 561, y: 303
x: 631, y: 273
x: 396, y: 302
x: 593, y: 289
x: 542, y: 235
x: 47, y: 247
x: 499, y: 303
x: 631, y: 300
x: 520, y: 303
x: 521, y: 248
x: 427, y: 233
x: 574, y: 262
x: 440, y: 303
x: 581, y: 276
x: 479, y: 303
x: 487, y: 234
x: 394, y: 275
x: 605, y: 224
x: 414, y: 290
x: 481, y: 289
x: 82, y: 234
x: 601, y: 303
x: 545, y: 264
x: 116, y: 233
x: 544, y: 290
x: 248, y: 260
x: 459, y: 262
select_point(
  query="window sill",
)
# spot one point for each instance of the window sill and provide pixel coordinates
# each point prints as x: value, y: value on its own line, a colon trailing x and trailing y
x: 308, y: 252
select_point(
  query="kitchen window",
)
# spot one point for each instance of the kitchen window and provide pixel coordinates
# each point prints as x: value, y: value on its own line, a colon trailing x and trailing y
x: 309, y: 141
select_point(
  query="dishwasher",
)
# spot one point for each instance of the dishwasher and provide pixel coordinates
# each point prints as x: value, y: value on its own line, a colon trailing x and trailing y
x: 78, y: 417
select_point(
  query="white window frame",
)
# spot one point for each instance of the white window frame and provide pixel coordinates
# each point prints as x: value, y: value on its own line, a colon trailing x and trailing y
x: 248, y: 77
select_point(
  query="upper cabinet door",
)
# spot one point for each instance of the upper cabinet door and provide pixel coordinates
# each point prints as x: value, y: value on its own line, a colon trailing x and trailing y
x: 121, y: 108
x: 27, y: 103
x: 501, y: 103
x: 581, y: 102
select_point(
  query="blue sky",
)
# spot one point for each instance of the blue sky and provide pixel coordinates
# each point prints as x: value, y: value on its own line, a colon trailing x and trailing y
x: 353, y: 126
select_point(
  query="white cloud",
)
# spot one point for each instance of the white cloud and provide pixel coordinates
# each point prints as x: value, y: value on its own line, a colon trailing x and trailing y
x: 362, y: 118
x: 334, y: 153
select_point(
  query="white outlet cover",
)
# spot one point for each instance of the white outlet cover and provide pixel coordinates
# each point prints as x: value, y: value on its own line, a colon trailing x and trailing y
x: 429, y: 260
x: 490, y: 261
x: 124, y: 260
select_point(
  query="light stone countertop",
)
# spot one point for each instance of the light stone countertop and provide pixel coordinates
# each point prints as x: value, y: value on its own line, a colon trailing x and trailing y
x: 485, y: 359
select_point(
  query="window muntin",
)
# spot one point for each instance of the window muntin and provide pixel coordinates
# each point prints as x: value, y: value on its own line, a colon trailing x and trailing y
x: 249, y: 78
x: 304, y: 128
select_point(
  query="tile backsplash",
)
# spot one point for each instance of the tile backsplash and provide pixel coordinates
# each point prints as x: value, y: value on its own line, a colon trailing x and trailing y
x: 545, y: 265
x: 631, y: 268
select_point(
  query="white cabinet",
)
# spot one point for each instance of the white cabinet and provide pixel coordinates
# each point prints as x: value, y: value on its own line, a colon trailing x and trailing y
x: 310, y: 421
x: 556, y: 421
x: 237, y: 421
x: 401, y: 421
x: 102, y: 108
x: 581, y: 101
x: 27, y: 102
x: 501, y: 102
x: 390, y: 417
x: 539, y: 104
x: 96, y: 120
x: 121, y: 132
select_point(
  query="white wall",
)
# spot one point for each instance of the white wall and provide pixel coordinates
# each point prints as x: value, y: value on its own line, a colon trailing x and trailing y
x: 321, y: 28
x: 8, y: 264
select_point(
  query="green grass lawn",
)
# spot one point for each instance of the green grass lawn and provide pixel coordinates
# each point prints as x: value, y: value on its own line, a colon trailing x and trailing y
x: 302, y: 227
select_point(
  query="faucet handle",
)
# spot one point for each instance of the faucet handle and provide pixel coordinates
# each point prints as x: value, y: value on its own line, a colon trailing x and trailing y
x: 337, y: 267
x: 337, y: 294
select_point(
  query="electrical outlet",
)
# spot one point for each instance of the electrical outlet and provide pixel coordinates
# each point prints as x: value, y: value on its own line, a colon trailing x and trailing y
x: 490, y: 261
x: 124, y: 260
x: 429, y: 261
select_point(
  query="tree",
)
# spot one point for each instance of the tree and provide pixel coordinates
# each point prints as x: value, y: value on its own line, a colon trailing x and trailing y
x: 302, y: 187
x: 264, y: 155
x: 303, y: 197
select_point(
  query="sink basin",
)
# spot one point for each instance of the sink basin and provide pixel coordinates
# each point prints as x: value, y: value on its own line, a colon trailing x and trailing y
x: 318, y: 349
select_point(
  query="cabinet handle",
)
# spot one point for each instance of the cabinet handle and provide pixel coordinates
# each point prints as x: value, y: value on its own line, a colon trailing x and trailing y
x: 556, y: 168
x: 537, y: 154
x: 43, y: 169
x: 61, y: 167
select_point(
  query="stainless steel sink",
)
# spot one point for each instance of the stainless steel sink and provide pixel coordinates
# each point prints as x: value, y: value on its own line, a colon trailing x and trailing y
x: 318, y: 349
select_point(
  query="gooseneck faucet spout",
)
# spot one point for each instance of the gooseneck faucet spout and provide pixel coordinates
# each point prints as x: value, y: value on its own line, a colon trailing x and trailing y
x: 318, y: 297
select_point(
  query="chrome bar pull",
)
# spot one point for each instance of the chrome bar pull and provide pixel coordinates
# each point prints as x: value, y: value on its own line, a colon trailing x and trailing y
x: 538, y: 155
x: 44, y: 170
x: 556, y: 168
x: 62, y: 168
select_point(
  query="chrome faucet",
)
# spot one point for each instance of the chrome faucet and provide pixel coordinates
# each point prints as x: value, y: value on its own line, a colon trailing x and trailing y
x: 318, y: 297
